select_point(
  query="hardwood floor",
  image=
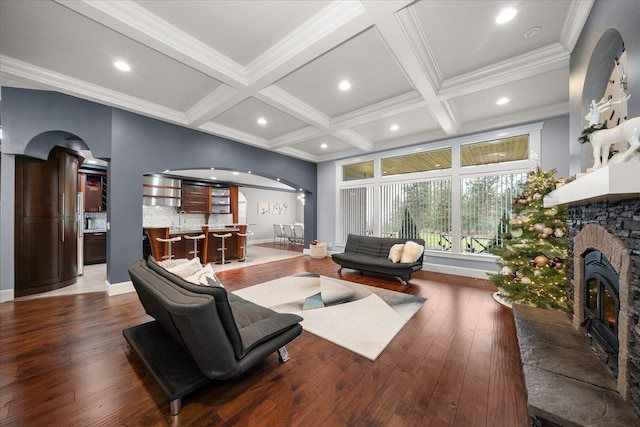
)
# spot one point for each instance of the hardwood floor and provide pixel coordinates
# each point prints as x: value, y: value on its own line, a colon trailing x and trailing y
x: 64, y: 361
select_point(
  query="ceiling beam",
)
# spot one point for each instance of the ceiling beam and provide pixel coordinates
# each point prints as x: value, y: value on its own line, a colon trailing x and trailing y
x: 394, y: 35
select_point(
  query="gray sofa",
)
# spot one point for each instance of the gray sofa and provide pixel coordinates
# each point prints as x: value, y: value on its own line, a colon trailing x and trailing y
x: 201, y: 333
x: 367, y: 253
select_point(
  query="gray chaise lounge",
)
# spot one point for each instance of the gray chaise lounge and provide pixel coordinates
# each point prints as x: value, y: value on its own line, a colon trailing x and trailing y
x: 201, y: 333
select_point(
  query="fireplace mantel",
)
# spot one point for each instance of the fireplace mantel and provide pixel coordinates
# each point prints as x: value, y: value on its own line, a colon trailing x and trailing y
x: 612, y: 182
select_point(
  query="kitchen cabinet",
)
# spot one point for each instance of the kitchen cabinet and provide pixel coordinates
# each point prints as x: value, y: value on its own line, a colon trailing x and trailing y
x: 46, y: 242
x: 95, y: 248
x: 195, y: 198
x: 94, y: 187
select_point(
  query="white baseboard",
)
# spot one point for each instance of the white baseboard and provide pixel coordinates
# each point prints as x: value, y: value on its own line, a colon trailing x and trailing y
x: 119, y: 288
x: 457, y: 271
x: 7, y: 295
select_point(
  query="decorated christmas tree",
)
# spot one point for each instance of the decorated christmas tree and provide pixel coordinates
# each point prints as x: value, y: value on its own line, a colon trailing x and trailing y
x: 534, y: 251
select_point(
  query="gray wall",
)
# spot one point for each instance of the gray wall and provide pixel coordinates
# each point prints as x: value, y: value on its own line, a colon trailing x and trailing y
x: 327, y: 202
x: 588, y: 77
x: 263, y: 230
x: 133, y: 145
x: 555, y: 146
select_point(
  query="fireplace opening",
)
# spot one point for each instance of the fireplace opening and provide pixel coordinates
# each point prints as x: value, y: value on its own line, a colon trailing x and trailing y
x: 601, y: 301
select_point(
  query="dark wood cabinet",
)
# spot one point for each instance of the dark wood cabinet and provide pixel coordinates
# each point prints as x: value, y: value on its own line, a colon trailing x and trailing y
x: 95, y: 248
x: 46, y: 222
x: 195, y: 198
x: 94, y: 187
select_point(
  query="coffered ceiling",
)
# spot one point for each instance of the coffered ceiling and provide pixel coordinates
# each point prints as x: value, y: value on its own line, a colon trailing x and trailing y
x: 435, y: 69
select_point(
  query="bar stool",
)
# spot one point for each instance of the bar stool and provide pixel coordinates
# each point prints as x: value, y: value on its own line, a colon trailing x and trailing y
x: 245, y: 246
x: 223, y: 248
x: 169, y: 241
x: 195, y: 243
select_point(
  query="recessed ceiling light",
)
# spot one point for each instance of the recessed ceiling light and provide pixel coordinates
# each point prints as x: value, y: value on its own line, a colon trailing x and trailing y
x: 122, y: 66
x: 323, y: 145
x: 167, y: 171
x: 262, y: 121
x: 278, y: 179
x: 503, y: 101
x: 249, y: 172
x: 93, y: 162
x: 344, y: 85
x: 394, y: 127
x: 235, y: 173
x: 213, y: 177
x: 506, y: 15
x: 532, y: 32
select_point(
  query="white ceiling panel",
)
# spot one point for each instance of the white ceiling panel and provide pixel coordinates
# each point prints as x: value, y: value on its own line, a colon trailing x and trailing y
x: 314, y: 146
x: 364, y: 61
x: 537, y: 92
x: 477, y: 40
x: 409, y: 123
x: 244, y: 117
x: 55, y: 38
x: 239, y: 29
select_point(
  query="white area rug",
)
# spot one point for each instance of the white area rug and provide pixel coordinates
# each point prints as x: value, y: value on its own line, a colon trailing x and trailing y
x: 360, y: 318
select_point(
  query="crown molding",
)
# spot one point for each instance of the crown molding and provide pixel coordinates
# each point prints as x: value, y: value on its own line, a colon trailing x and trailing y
x: 418, y: 41
x: 284, y: 101
x: 416, y: 138
x: 293, y: 152
x: 540, y: 113
x: 137, y: 23
x: 327, y: 21
x: 397, y: 105
x: 545, y: 59
x: 234, y: 134
x: 354, y: 139
x: 574, y: 23
x: 222, y: 97
x: 20, y: 70
x: 296, y: 137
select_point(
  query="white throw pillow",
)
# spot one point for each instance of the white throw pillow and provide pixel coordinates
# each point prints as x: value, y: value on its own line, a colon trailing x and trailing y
x: 411, y: 252
x: 395, y: 253
x: 206, y: 277
x: 187, y: 269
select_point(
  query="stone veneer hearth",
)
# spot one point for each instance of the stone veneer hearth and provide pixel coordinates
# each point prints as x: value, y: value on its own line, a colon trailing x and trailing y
x: 612, y: 227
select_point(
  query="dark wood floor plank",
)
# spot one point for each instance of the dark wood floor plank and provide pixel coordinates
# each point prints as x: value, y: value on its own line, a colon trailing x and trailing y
x: 456, y: 362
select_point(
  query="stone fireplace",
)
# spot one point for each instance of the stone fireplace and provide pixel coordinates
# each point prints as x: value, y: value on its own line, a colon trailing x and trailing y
x: 603, y: 296
x: 593, y: 238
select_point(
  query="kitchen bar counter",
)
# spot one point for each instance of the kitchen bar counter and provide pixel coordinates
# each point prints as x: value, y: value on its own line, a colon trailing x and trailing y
x: 207, y: 247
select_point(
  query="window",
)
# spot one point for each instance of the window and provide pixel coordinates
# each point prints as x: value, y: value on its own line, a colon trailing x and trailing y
x: 418, y: 210
x: 497, y: 151
x: 355, y: 171
x: 418, y: 162
x: 485, y: 202
x: 357, y: 211
x: 454, y: 193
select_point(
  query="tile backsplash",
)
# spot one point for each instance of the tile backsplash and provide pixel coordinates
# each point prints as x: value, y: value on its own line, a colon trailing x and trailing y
x: 95, y: 220
x: 166, y: 216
